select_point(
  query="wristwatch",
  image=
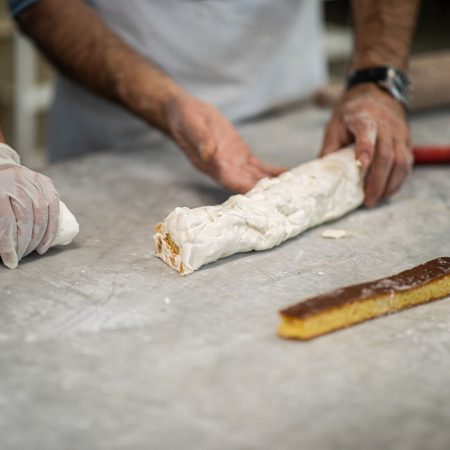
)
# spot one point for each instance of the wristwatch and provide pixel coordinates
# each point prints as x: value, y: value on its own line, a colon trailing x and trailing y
x: 389, y: 78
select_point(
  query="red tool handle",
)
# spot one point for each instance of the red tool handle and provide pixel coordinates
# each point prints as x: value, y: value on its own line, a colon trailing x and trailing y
x: 431, y: 155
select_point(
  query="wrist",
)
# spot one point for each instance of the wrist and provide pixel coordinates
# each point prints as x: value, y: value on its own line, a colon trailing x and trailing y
x: 369, y: 89
x: 387, y: 78
x: 161, y: 104
x: 8, y: 156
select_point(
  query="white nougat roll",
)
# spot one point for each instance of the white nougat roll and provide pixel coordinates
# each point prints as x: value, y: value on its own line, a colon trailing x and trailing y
x: 275, y: 210
x: 68, y: 227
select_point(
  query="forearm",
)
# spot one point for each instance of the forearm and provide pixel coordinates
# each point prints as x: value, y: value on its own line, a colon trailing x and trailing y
x: 383, y: 31
x: 74, y: 38
x: 82, y: 47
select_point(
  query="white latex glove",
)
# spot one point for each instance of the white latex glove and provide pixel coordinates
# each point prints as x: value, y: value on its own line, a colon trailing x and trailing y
x: 29, y: 210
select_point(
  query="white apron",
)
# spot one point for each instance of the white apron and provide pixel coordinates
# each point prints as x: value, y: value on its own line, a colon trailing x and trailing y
x: 242, y: 56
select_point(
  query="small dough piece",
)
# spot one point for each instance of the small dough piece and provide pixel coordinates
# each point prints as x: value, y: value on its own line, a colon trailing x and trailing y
x: 68, y: 227
x: 354, y: 304
x: 275, y: 210
x: 332, y: 233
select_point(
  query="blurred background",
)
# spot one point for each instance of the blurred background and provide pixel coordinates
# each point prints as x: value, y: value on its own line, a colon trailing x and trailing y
x: 26, y: 79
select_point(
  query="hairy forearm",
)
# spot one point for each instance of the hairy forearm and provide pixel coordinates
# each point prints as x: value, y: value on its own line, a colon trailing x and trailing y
x: 81, y: 46
x: 383, y: 31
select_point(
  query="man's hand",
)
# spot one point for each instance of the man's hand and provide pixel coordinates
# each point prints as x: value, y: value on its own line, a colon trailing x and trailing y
x: 29, y: 212
x: 377, y: 124
x: 366, y: 114
x: 213, y: 145
x: 94, y: 56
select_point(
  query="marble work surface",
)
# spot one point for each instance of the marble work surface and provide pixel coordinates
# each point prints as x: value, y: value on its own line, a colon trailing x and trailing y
x: 103, y: 346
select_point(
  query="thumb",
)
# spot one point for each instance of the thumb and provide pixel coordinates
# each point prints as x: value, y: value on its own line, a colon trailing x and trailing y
x: 8, y: 234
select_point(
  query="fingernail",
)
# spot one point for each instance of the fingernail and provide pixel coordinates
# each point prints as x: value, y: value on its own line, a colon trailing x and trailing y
x: 42, y: 250
x: 364, y: 159
x: 10, y: 260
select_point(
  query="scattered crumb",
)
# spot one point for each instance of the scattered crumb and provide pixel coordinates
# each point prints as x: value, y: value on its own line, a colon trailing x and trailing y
x: 319, y: 273
x: 167, y: 300
x: 332, y: 233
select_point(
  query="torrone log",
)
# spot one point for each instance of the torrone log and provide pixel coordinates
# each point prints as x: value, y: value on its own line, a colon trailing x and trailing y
x: 275, y: 210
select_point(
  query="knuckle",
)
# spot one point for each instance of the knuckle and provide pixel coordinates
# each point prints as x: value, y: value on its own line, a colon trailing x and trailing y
x: 206, y: 151
x: 405, y: 165
x: 41, y: 211
x: 401, y: 161
x: 46, y: 185
x: 55, y: 197
x: 385, y: 155
x: 410, y: 160
x: 400, y: 128
x: 386, y: 122
x: 404, y: 156
x: 45, y: 180
x: 363, y: 121
x: 369, y: 123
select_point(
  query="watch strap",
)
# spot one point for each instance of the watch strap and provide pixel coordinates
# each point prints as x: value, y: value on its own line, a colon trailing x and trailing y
x: 389, y: 78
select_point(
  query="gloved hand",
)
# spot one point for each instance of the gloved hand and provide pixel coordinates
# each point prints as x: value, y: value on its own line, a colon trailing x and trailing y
x: 29, y: 209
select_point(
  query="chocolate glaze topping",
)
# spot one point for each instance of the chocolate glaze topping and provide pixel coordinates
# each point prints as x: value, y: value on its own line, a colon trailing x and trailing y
x: 403, y: 281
